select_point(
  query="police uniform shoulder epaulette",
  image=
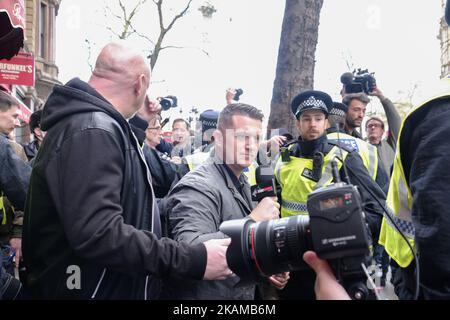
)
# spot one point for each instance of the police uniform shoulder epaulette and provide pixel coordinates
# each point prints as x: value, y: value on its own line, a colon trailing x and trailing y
x: 342, y: 145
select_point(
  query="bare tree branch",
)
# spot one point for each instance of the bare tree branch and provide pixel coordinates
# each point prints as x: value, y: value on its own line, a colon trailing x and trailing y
x: 126, y: 18
x: 177, y: 47
x: 178, y: 16
x: 135, y: 9
x: 112, y: 13
x: 160, y: 16
x: 113, y: 32
x: 142, y: 35
x: 89, y: 49
x: 124, y: 10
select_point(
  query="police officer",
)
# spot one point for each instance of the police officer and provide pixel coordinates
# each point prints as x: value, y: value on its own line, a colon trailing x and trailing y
x: 418, y: 199
x: 368, y: 153
x: 206, y: 126
x: 305, y: 165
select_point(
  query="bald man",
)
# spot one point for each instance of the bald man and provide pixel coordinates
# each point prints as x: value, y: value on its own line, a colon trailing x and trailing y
x: 92, y: 230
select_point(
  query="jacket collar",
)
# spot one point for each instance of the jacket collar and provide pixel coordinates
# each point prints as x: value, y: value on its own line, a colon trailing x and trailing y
x: 307, y: 149
x: 246, y: 201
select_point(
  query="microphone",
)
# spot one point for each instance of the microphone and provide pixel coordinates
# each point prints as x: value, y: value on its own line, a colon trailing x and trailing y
x: 347, y: 78
x: 265, y: 184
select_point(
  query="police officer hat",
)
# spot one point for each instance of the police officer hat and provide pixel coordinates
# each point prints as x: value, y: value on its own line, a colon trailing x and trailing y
x: 311, y: 100
x: 338, y: 109
x: 209, y: 119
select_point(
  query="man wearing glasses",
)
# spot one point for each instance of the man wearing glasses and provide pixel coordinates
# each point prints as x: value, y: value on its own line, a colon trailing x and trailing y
x: 386, y: 151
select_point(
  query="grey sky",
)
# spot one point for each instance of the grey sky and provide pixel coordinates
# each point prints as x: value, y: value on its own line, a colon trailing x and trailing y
x: 395, y: 39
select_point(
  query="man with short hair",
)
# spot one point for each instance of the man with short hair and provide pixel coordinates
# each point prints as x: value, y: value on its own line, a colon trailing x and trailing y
x: 368, y: 153
x: 153, y: 132
x: 356, y: 104
x: 218, y: 191
x: 181, y: 142
x: 375, y: 132
x: 92, y: 229
x: 9, y: 113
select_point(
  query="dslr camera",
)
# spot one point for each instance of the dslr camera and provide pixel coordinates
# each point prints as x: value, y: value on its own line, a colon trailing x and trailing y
x: 359, y: 81
x: 238, y: 94
x: 335, y: 229
x: 168, y: 102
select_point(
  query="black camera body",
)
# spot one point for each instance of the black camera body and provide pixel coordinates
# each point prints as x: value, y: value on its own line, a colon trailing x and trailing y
x: 238, y: 94
x: 359, y: 81
x: 335, y: 229
x: 168, y: 102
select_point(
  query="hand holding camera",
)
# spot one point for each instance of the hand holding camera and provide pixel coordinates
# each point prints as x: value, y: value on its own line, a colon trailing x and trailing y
x: 233, y: 95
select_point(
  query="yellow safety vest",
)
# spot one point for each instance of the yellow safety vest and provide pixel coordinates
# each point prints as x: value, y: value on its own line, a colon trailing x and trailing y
x: 368, y: 152
x: 197, y: 159
x: 250, y: 173
x: 295, y: 188
x: 2, y: 209
x: 399, y: 201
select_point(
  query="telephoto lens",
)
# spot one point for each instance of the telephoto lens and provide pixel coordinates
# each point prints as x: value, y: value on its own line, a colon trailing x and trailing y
x: 261, y: 249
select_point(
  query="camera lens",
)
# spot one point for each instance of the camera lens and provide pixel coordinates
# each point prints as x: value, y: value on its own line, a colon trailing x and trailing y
x: 268, y: 247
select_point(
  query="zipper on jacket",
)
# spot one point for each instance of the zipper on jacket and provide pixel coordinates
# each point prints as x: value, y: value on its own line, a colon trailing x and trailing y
x: 146, y: 285
x: 98, y: 284
x: 141, y: 156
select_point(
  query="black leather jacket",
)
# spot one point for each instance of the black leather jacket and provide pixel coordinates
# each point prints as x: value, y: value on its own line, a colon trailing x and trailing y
x: 91, y: 224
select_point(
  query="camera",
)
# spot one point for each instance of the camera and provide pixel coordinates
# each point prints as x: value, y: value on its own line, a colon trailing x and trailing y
x: 237, y: 95
x: 359, y: 81
x: 168, y: 102
x: 335, y: 229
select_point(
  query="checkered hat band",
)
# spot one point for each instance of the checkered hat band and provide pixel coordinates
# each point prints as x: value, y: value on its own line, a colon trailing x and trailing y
x: 337, y: 112
x: 209, y: 123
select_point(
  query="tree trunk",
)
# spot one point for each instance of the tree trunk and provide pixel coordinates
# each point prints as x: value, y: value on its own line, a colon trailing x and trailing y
x: 296, y: 59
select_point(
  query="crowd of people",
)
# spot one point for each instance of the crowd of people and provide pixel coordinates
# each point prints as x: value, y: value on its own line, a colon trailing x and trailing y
x: 100, y: 206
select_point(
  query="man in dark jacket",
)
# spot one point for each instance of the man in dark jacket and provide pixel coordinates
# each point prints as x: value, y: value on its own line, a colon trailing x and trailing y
x: 14, y: 176
x: 91, y: 228
x: 218, y: 191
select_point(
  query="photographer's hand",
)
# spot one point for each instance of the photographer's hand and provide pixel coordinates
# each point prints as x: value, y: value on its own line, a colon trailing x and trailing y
x: 230, y: 95
x: 149, y: 109
x: 377, y: 93
x: 275, y: 142
x: 327, y: 287
x: 267, y: 209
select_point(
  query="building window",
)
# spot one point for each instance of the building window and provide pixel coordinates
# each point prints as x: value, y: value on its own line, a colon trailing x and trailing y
x: 43, y: 17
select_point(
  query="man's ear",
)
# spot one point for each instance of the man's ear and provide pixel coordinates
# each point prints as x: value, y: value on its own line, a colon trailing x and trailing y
x: 141, y: 84
x: 297, y: 125
x: 218, y: 138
